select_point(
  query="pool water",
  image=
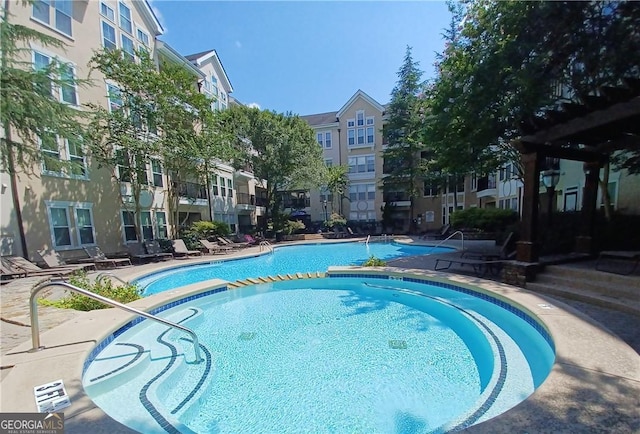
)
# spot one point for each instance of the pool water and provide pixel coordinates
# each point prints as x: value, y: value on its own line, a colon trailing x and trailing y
x: 331, y: 355
x: 284, y: 260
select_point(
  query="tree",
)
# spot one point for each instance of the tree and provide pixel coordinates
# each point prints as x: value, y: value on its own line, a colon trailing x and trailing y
x: 280, y: 149
x: 28, y: 108
x: 124, y: 137
x: 403, y: 133
x: 336, y: 182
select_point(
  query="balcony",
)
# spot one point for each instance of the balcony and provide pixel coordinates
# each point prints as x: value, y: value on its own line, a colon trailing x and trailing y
x: 399, y: 199
x: 487, y: 187
x: 191, y: 191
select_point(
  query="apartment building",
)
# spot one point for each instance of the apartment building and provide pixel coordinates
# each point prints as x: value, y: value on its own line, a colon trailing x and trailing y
x: 67, y: 210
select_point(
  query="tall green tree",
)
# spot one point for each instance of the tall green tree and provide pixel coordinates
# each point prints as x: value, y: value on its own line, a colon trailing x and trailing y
x: 404, y: 134
x: 280, y: 149
x: 336, y: 182
x: 29, y: 104
x: 124, y: 137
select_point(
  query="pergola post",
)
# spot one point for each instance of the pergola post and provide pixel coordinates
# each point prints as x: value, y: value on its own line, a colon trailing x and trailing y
x: 527, y: 248
x: 584, y: 239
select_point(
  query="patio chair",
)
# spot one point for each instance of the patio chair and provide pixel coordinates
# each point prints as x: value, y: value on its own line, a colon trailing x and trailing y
x: 97, y: 256
x: 437, y: 235
x: 152, y: 247
x: 616, y: 256
x: 504, y: 251
x: 138, y: 254
x: 214, y: 248
x: 481, y: 267
x: 17, y: 263
x: 227, y: 242
x: 181, y: 251
x: 52, y: 259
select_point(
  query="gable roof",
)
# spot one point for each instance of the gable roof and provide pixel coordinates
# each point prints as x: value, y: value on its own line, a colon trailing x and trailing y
x: 168, y: 51
x: 146, y: 11
x: 321, y: 118
x: 199, y: 58
x: 363, y: 95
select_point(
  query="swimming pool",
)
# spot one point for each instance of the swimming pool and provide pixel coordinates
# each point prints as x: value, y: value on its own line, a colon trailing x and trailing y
x: 354, y: 352
x: 284, y: 260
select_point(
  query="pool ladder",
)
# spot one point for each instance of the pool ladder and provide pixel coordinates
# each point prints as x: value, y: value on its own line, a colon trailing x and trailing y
x: 265, y: 245
x: 447, y: 239
x: 35, y: 327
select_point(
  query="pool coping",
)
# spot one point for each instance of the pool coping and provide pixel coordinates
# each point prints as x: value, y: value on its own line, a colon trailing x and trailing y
x: 595, y: 380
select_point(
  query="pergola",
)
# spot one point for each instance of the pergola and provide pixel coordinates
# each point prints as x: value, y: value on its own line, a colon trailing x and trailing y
x: 586, y: 132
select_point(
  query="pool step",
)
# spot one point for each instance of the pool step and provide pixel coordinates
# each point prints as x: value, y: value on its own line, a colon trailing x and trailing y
x: 276, y: 278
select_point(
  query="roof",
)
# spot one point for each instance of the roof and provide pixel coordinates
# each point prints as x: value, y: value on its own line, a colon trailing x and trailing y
x: 321, y: 118
x: 199, y: 58
x: 166, y: 50
x: 363, y: 95
x: 147, y: 12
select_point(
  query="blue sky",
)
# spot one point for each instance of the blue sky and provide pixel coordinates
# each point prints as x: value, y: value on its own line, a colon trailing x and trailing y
x: 307, y: 57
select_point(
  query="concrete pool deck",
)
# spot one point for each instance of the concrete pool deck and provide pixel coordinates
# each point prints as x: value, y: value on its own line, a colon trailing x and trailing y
x: 594, y: 385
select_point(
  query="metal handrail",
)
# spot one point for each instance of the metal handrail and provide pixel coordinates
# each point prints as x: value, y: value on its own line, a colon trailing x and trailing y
x: 266, y: 244
x: 35, y: 327
x: 104, y: 274
x: 447, y: 239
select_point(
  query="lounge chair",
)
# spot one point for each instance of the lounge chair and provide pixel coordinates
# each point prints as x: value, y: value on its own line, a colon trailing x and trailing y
x: 214, y: 248
x: 481, y: 267
x: 52, y: 259
x: 618, y: 255
x: 152, y: 247
x: 138, y: 254
x: 97, y: 256
x: 16, y: 263
x: 180, y: 249
x: 505, y: 251
x: 227, y: 242
x: 440, y: 234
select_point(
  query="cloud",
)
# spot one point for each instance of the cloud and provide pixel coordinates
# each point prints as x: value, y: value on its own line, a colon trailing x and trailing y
x: 158, y: 15
x: 253, y: 105
x: 238, y: 44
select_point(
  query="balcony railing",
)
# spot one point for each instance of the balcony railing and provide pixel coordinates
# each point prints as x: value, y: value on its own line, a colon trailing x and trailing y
x: 486, y: 183
x: 396, y: 197
x: 245, y: 199
x: 191, y: 190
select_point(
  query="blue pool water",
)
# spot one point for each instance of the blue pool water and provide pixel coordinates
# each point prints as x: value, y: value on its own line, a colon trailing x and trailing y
x: 330, y: 355
x: 284, y: 260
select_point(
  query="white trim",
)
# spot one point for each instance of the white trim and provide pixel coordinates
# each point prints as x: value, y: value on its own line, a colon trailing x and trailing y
x: 115, y: 33
x: 364, y: 96
x: 72, y: 223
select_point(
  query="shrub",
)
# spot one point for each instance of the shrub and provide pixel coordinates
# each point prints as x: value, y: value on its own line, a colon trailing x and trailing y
x: 205, y: 229
x: 374, y: 262
x: 484, y: 219
x: 124, y: 294
x: 336, y: 220
x: 292, y: 226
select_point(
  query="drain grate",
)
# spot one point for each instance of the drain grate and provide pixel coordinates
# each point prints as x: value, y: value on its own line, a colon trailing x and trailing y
x: 397, y: 344
x: 246, y: 336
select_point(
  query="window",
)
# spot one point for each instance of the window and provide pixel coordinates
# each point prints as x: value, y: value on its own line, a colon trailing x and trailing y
x: 223, y: 189
x: 108, y: 36
x: 430, y: 189
x: 156, y: 171
x: 84, y: 226
x: 327, y: 139
x: 370, y: 120
x: 146, y: 225
x: 142, y: 37
x: 68, y: 84
x: 320, y: 138
x: 115, y: 98
x: 76, y: 157
x: 360, y: 118
x: 214, y: 185
x: 328, y: 162
x: 124, y: 165
x: 71, y: 224
x: 41, y: 11
x: 41, y: 63
x: 125, y: 18
x: 63, y: 10
x: 161, y: 224
x: 351, y: 123
x: 230, y: 187
x: 51, y: 161
x: 107, y: 12
x: 370, y: 135
x: 360, y: 136
x: 128, y: 48
x: 351, y: 137
x: 362, y: 164
x: 129, y: 226
x: 59, y: 221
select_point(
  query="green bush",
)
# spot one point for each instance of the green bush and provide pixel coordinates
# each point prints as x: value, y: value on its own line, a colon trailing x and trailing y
x: 484, y: 219
x: 374, y: 262
x: 205, y: 229
x: 123, y: 294
x: 293, y: 226
x: 336, y: 220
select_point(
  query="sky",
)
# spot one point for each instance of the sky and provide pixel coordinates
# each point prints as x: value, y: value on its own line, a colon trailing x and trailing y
x: 307, y: 57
